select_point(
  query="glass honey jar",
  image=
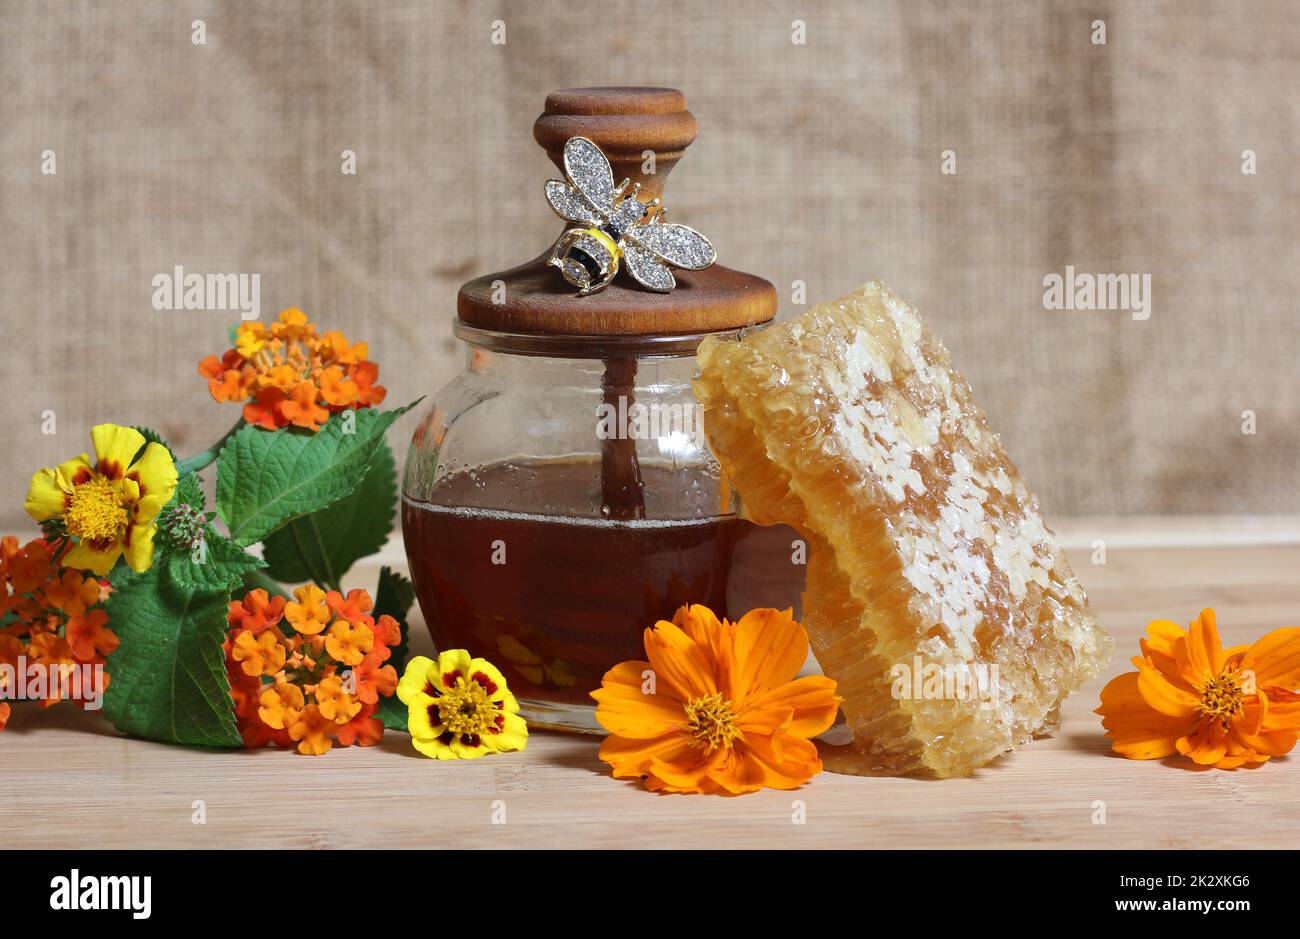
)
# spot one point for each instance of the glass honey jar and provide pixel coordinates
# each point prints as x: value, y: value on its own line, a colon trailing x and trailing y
x: 559, y: 496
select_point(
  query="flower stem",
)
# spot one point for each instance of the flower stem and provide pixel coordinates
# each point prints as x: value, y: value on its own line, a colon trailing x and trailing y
x: 202, y: 460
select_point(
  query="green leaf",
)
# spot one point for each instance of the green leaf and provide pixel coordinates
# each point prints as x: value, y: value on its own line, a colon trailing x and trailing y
x: 189, y: 490
x: 219, y: 565
x: 394, y: 597
x: 168, y: 674
x: 267, y: 478
x: 322, y: 546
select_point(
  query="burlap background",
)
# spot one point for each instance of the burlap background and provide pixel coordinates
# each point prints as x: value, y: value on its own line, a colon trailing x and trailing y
x: 817, y: 162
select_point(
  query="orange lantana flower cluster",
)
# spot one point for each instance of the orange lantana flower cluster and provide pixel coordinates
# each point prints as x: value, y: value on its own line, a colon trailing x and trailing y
x: 309, y: 671
x: 49, y: 618
x: 289, y: 374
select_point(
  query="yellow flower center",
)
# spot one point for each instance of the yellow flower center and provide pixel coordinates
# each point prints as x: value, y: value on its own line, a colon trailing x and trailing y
x: 467, y: 709
x: 711, y: 722
x: 96, y: 512
x: 1221, y: 699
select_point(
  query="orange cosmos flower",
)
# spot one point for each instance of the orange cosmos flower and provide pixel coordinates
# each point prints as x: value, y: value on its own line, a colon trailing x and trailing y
x: 717, y: 707
x: 307, y: 613
x: 1222, y: 708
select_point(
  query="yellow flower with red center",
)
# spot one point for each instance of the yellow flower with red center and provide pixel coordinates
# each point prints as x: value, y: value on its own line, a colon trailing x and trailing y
x: 290, y: 375
x: 109, y: 506
x: 1219, y: 707
x: 723, y: 711
x: 307, y: 612
x: 459, y: 707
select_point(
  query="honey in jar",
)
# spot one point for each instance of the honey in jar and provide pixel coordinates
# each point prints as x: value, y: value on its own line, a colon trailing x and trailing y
x: 559, y: 496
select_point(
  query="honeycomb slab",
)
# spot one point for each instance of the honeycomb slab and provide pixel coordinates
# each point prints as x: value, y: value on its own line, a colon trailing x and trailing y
x: 935, y: 595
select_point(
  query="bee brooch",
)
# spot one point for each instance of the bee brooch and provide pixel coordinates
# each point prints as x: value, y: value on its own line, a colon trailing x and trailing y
x: 619, y: 224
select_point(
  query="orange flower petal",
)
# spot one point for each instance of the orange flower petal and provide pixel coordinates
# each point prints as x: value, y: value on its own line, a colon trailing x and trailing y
x: 1273, y: 743
x: 1163, y: 635
x: 1275, y: 659
x: 707, y: 631
x: 1207, y: 745
x: 811, y: 700
x: 1137, y: 731
x: 1283, y: 710
x: 1163, y: 696
x: 787, y: 761
x: 1200, y: 654
x: 623, y: 708
x: 685, y: 769
x: 741, y: 771
x: 631, y: 758
x: 1166, y: 663
x: 679, y: 662
x: 770, y: 649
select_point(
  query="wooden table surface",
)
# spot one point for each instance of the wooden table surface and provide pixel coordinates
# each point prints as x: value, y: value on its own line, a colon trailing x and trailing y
x: 72, y: 782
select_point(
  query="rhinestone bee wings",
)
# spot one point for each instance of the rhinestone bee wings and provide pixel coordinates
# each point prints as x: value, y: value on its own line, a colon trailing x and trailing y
x: 619, y: 221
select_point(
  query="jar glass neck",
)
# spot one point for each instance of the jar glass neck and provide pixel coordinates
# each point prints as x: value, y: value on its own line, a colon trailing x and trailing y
x: 585, y: 347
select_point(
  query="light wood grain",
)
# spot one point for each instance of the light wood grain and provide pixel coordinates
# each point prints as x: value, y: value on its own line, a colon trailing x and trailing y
x: 72, y: 782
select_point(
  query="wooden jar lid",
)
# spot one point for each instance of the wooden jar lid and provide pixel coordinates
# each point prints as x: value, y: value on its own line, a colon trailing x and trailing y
x: 624, y: 123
